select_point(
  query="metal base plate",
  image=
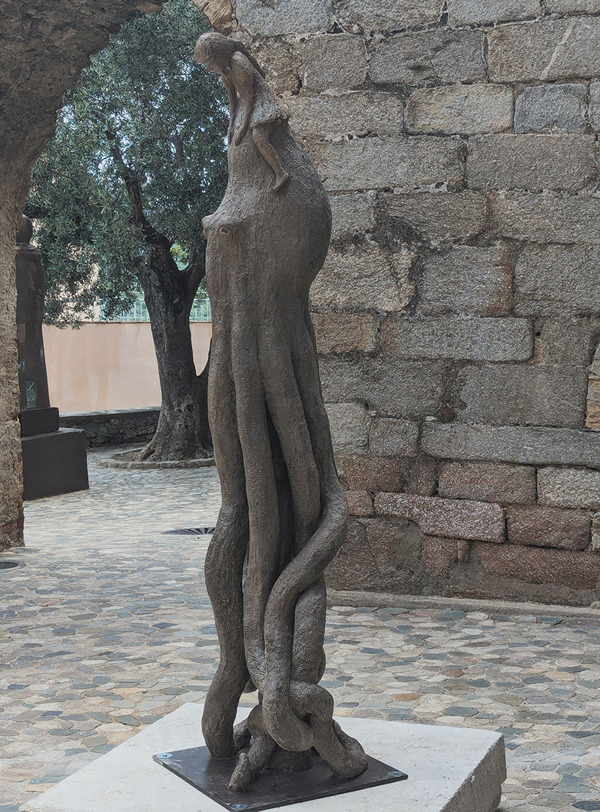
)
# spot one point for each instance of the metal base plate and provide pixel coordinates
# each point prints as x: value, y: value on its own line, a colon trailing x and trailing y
x: 269, y: 789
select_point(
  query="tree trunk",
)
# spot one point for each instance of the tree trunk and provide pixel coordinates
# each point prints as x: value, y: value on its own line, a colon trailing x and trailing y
x: 182, y: 431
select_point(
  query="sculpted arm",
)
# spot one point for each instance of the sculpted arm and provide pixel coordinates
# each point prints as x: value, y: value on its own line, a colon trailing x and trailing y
x: 233, y: 105
x: 242, y: 75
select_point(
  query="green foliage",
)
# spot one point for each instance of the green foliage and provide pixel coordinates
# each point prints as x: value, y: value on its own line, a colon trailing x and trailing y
x: 168, y: 118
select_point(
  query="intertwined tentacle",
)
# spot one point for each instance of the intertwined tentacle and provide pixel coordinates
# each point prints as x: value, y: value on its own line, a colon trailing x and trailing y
x: 284, y: 513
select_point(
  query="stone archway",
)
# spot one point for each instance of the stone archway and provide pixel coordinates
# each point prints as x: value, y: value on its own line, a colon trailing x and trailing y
x: 46, y: 44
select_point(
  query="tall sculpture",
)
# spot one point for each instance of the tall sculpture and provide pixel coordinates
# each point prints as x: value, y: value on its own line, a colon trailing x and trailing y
x: 284, y: 513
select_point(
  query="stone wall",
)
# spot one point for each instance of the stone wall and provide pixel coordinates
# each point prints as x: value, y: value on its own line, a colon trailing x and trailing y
x: 458, y: 312
x: 45, y: 44
x: 118, y: 427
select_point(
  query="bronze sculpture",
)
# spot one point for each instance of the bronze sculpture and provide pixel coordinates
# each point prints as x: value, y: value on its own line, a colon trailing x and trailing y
x: 284, y: 514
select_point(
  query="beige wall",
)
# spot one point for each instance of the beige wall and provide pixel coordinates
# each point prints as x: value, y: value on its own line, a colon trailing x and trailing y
x: 109, y: 365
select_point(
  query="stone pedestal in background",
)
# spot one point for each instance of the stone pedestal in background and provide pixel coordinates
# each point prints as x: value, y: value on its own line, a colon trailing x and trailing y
x: 54, y: 460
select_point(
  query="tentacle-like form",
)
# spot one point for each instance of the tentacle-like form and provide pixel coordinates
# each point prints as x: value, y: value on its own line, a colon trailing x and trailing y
x: 284, y: 513
x: 224, y: 567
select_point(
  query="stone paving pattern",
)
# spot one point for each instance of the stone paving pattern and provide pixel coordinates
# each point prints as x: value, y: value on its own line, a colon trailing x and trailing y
x: 108, y: 627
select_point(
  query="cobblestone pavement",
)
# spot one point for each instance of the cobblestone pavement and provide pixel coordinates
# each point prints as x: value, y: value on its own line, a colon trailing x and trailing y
x: 107, y: 628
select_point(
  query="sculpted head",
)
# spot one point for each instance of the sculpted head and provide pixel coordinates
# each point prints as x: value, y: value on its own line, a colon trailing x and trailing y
x: 215, y: 51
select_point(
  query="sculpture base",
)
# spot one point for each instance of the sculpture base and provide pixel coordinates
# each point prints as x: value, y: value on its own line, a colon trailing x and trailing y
x: 54, y: 463
x: 269, y: 789
x: 450, y: 770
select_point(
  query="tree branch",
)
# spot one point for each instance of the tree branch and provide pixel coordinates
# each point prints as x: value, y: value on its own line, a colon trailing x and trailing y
x: 134, y: 191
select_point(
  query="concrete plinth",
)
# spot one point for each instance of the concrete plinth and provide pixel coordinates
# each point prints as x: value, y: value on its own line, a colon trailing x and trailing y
x: 54, y: 463
x: 450, y: 770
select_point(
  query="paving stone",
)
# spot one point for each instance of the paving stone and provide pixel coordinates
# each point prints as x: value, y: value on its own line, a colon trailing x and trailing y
x: 130, y: 585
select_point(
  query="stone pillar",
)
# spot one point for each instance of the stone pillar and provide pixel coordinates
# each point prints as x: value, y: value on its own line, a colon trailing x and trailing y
x: 33, y: 381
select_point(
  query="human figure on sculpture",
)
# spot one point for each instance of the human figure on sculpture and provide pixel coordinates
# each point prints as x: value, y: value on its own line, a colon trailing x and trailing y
x: 253, y: 105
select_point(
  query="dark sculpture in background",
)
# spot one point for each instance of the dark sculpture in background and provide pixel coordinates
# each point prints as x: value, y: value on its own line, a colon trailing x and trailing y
x: 284, y: 513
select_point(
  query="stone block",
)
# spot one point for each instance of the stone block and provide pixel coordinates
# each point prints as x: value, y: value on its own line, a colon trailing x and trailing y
x: 551, y: 108
x: 439, y: 556
x: 451, y: 769
x: 548, y: 49
x: 476, y: 12
x: 421, y: 479
x: 548, y: 217
x: 414, y: 59
x: 460, y: 109
x: 396, y: 548
x: 592, y: 417
x: 352, y: 214
x: 596, y: 533
x: 388, y: 162
x: 569, y: 488
x: 267, y: 19
x: 571, y: 6
x: 557, y: 280
x: 355, y: 113
x: 280, y: 62
x: 388, y: 14
x: 439, y: 217
x: 467, y: 280
x: 487, y: 482
x: 565, y: 340
x: 594, y: 111
x: 365, y: 277
x: 455, y: 337
x: 360, y: 503
x: 525, y: 395
x: 348, y: 427
x: 389, y: 437
x: 529, y: 445
x: 445, y: 517
x: 345, y: 332
x: 354, y: 566
x: 367, y: 473
x: 333, y: 61
x: 533, y: 162
x: 539, y: 565
x: 389, y: 387
x: 543, y: 526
